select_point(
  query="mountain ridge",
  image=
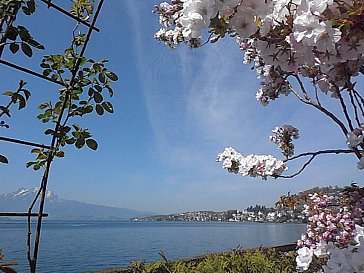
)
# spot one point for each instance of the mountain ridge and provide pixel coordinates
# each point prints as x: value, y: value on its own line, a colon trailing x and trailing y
x: 63, y: 209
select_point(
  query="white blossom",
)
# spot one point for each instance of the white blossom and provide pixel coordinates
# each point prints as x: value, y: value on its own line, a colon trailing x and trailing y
x: 304, y: 258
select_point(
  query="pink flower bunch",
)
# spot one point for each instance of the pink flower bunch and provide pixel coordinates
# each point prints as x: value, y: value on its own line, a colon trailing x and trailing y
x: 330, y: 220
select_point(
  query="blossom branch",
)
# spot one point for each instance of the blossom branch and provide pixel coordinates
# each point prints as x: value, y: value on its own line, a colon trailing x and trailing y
x: 354, y: 107
x: 312, y: 157
x: 344, y: 108
x: 322, y: 109
x: 359, y: 100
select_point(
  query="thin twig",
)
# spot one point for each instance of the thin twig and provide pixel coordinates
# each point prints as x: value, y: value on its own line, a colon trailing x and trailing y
x: 360, y: 101
x: 355, y: 108
x: 316, y: 94
x: 335, y: 151
x: 344, y: 108
x: 313, y: 155
x: 315, y: 105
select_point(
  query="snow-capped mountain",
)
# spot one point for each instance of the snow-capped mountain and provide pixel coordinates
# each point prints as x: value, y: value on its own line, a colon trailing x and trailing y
x: 29, y: 194
x: 62, y: 209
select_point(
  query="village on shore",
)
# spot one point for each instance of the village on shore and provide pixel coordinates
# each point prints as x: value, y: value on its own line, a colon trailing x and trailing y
x: 251, y: 214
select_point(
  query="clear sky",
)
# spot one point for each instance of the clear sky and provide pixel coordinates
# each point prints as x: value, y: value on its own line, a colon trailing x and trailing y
x: 175, y: 110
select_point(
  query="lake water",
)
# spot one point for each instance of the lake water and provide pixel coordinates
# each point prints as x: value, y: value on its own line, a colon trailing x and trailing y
x: 77, y: 247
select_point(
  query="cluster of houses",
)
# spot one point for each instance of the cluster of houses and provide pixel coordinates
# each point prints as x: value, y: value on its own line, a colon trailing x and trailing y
x: 243, y: 215
x: 268, y: 216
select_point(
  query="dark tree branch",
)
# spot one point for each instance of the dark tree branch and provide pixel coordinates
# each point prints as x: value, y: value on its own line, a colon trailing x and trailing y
x: 322, y: 109
x: 344, y: 109
x: 354, y: 107
x: 312, y: 157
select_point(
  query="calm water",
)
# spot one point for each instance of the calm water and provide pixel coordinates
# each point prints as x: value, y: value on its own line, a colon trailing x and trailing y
x: 76, y: 247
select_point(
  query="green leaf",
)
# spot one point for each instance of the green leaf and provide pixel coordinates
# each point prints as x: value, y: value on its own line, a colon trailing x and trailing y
x: 31, y: 163
x: 80, y: 143
x: 44, y: 105
x: 14, y: 48
x: 3, y: 159
x: 108, y: 106
x: 112, y: 76
x: 99, y: 109
x: 24, y: 33
x: 48, y: 132
x: 36, y: 151
x: 102, y: 78
x: 111, y: 92
x: 27, y: 49
x: 44, y: 65
x: 88, y: 109
x: 22, y: 102
x: 76, y: 134
x: 98, y: 88
x: 26, y: 93
x: 31, y: 6
x: 60, y: 154
x: 71, y: 140
x: 91, y: 91
x: 98, y: 97
x: 12, y: 33
x: 8, y: 93
x: 46, y: 72
x: 35, y: 44
x: 92, y: 144
x: 26, y: 11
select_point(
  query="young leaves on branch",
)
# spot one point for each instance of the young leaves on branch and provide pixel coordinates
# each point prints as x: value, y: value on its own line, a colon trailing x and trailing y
x: 86, y: 83
x: 20, y: 97
x: 17, y: 37
x: 83, y: 9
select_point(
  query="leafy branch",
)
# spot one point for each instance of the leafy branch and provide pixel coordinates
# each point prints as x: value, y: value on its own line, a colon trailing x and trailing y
x: 20, y: 97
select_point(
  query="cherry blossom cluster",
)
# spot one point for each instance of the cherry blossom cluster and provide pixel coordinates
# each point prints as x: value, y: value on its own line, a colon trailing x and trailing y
x: 327, y: 221
x: 252, y: 165
x: 335, y: 231
x: 322, y: 40
x: 283, y: 136
x: 355, y: 139
x: 349, y: 259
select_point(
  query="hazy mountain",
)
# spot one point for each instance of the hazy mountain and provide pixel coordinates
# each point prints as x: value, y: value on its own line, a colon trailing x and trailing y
x: 61, y: 209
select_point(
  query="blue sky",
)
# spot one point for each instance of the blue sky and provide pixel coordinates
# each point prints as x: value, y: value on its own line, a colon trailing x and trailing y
x: 175, y: 110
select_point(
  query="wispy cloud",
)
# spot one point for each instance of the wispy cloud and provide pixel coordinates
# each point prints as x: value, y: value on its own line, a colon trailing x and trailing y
x: 200, y: 101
